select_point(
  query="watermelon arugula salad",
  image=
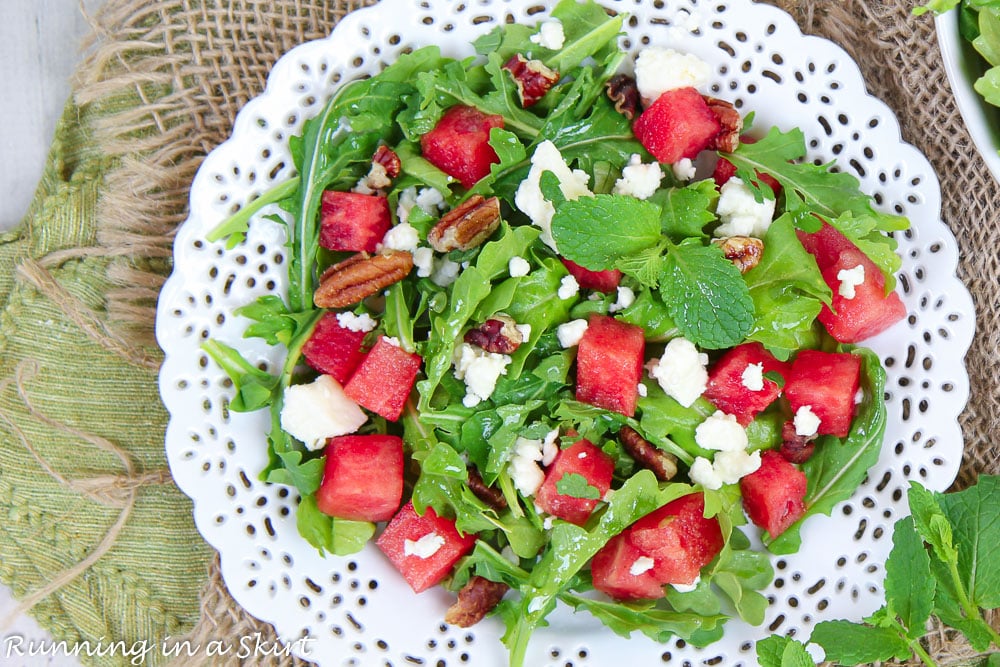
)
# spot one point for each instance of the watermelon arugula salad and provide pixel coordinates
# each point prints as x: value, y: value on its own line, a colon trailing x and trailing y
x: 540, y: 352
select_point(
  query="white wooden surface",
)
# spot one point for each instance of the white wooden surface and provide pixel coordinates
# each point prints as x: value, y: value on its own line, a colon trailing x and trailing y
x: 38, y: 50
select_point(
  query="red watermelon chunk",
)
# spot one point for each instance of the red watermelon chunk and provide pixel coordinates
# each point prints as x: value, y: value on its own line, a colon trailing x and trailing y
x: 679, y: 124
x: 773, y: 495
x: 612, y: 571
x: 827, y: 382
x: 383, y: 381
x: 727, y: 391
x: 363, y: 477
x: 353, y: 222
x: 870, y: 310
x: 602, y: 281
x: 459, y: 144
x: 678, y: 538
x: 334, y: 350
x: 609, y: 364
x: 423, y: 548
x: 583, y: 459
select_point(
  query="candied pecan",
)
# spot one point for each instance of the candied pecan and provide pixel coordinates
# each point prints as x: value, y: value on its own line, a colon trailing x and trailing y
x: 532, y: 77
x: 492, y: 497
x: 467, y: 225
x: 728, y: 138
x: 361, y: 276
x: 794, y: 447
x: 623, y: 92
x: 498, y: 334
x: 663, y: 465
x: 476, y: 599
x: 743, y: 251
x: 387, y: 157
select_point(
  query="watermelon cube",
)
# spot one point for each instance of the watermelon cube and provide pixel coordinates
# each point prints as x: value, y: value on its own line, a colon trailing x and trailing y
x: 363, y: 477
x: 582, y: 459
x: 383, y: 380
x: 679, y: 124
x: 609, y: 364
x: 602, y: 281
x: 739, y: 390
x: 678, y: 538
x: 774, y: 494
x: 459, y: 144
x: 353, y: 222
x: 334, y: 350
x: 624, y: 572
x: 423, y: 548
x: 827, y: 382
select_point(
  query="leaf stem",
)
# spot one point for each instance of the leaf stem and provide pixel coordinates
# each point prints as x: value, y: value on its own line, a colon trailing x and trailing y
x: 968, y: 606
x: 919, y: 651
x: 239, y: 221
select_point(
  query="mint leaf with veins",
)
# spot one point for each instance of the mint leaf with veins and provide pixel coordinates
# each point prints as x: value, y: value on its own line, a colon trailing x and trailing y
x: 595, y: 232
x: 576, y: 485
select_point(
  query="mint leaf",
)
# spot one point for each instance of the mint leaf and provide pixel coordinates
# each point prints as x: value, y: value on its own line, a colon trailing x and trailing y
x: 576, y: 485
x: 646, y: 266
x: 909, y: 586
x: 780, y: 651
x: 975, y: 521
x: 849, y: 643
x: 686, y: 210
x: 706, y: 296
x: 932, y: 524
x: 584, y: 232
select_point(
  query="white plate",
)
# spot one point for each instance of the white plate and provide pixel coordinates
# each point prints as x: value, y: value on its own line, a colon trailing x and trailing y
x: 358, y: 610
x: 963, y: 67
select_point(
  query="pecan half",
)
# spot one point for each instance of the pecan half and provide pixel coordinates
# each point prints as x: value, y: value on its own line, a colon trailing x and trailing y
x: 623, y: 92
x: 728, y: 139
x: 387, y: 157
x: 498, y: 334
x: 361, y: 276
x: 492, y: 497
x: 476, y: 599
x: 663, y: 465
x: 467, y: 225
x: 794, y: 447
x: 532, y: 77
x: 743, y: 251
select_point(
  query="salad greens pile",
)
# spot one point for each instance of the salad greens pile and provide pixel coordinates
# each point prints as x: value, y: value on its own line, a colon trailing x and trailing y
x: 979, y: 25
x: 682, y: 284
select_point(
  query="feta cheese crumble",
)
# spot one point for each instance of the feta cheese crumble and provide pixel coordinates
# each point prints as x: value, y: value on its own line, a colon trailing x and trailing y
x: 480, y: 371
x: 726, y: 468
x: 681, y: 371
x: 740, y: 213
x: 428, y: 200
x: 518, y: 266
x: 529, y: 198
x: 626, y: 297
x: 641, y: 565
x: 687, y: 588
x: 523, y: 466
x: 568, y: 288
x: 351, y: 322
x: 550, y: 448
x: 445, y: 272
x: 639, y: 180
x: 319, y: 410
x: 425, y: 547
x: 721, y: 432
x: 423, y: 260
x: 684, y: 170
x: 401, y: 237
x: 849, y: 280
x: 550, y: 35
x: 570, y: 333
x: 641, y: 390
x: 806, y: 422
x: 753, y: 377
x: 659, y: 69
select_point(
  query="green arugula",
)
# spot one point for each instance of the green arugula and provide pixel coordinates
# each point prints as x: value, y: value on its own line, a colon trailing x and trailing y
x: 340, y: 537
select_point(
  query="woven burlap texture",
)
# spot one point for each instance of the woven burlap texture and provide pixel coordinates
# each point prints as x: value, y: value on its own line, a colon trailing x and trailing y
x: 161, y: 89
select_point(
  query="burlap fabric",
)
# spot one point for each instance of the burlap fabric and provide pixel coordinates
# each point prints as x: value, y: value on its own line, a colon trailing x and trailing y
x: 96, y: 536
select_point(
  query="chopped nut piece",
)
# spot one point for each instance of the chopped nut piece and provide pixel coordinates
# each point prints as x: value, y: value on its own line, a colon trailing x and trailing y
x: 663, y: 465
x: 623, y: 91
x: 728, y: 138
x: 795, y: 448
x: 361, y: 276
x: 532, y: 77
x: 498, y: 334
x: 476, y: 599
x: 743, y: 251
x: 387, y: 157
x: 492, y: 497
x: 466, y: 226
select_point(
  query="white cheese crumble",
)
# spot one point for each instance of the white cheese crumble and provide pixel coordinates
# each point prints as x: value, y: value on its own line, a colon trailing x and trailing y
x: 721, y: 432
x: 401, y: 237
x: 641, y: 389
x: 523, y: 466
x: 570, y: 333
x: 684, y: 170
x: 524, y: 330
x: 428, y: 199
x: 641, y: 565
x: 849, y: 280
x: 550, y: 35
x: 550, y: 449
x: 681, y: 371
x: 687, y: 588
x: 806, y: 422
x: 445, y: 272
x: 529, y: 198
x: 639, y: 180
x: 740, y: 213
x: 423, y: 260
x: 392, y: 340
x: 319, y: 410
x: 568, y: 288
x: 753, y: 377
x: 726, y: 468
x: 518, y: 266
x: 626, y: 297
x: 351, y: 322
x: 659, y: 69
x: 480, y: 371
x: 425, y: 547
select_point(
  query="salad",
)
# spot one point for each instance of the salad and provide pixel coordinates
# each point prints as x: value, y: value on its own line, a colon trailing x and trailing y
x: 979, y: 26
x: 535, y: 357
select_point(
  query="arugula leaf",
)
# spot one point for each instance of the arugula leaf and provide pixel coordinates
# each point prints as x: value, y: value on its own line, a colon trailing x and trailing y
x: 781, y: 651
x: 656, y: 623
x: 537, y: 303
x: 340, y: 537
x: 255, y: 388
x: 849, y: 643
x: 590, y: 32
x: 576, y: 485
x: 580, y: 229
x: 649, y: 312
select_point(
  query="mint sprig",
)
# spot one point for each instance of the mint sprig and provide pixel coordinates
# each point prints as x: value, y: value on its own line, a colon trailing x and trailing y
x: 575, y: 485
